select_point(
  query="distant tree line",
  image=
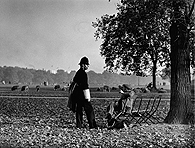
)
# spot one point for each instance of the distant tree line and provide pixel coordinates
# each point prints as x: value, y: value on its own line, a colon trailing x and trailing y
x: 18, y: 75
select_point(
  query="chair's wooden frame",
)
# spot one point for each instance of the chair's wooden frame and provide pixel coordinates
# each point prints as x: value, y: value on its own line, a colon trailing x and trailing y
x: 143, y: 113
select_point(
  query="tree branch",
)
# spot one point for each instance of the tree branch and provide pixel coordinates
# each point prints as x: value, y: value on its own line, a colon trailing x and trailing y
x: 192, y: 9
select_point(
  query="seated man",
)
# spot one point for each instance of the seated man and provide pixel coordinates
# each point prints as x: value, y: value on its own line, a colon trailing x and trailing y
x: 123, y: 105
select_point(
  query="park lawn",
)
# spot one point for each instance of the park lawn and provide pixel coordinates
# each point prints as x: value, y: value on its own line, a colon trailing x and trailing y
x: 48, y: 91
x: 43, y: 122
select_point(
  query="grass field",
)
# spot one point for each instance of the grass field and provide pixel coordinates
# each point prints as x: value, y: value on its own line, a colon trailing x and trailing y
x: 42, y: 119
x: 48, y: 91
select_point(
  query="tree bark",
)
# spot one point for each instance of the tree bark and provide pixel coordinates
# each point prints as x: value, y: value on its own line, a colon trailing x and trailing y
x: 154, y: 75
x: 180, y: 103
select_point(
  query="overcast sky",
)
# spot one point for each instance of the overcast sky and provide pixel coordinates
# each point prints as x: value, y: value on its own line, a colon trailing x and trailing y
x: 51, y: 34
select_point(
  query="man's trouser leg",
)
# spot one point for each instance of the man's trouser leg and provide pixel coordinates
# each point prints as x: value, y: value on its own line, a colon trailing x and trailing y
x: 90, y: 114
x: 79, y: 115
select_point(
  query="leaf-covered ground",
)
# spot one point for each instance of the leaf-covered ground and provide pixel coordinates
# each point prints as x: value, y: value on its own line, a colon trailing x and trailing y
x: 35, y: 122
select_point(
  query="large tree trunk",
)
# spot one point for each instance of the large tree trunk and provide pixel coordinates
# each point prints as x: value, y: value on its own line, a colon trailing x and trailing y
x: 154, y: 75
x: 180, y: 104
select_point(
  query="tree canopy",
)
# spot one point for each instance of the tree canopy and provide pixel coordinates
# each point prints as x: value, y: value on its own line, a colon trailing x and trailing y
x: 139, y: 34
x: 136, y: 39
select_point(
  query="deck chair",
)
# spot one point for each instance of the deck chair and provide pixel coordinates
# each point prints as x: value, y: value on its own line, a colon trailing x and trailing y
x: 146, y: 113
x: 117, y: 109
x: 138, y: 110
x: 150, y: 114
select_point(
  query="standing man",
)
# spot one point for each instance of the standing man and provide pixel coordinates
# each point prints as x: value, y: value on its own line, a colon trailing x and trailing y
x: 82, y: 96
